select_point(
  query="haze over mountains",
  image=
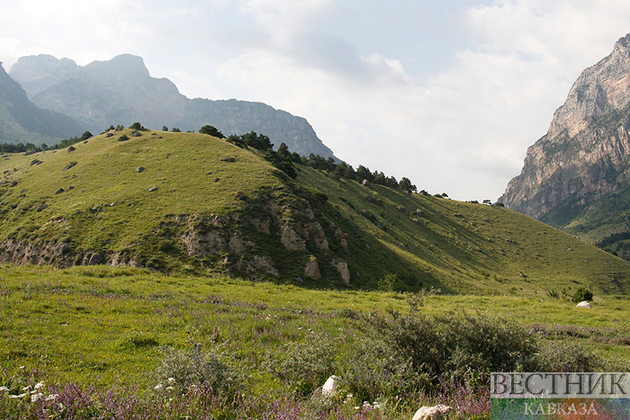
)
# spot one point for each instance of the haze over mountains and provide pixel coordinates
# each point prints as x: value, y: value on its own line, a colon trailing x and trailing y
x: 21, y: 121
x: 577, y: 176
x: 121, y: 91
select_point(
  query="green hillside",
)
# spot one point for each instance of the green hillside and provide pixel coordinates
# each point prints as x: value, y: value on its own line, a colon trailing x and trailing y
x: 171, y: 202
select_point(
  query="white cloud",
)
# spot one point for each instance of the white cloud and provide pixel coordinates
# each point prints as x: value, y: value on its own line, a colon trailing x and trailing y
x: 463, y: 130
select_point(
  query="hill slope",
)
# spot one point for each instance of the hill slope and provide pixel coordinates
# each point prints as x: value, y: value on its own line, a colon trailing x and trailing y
x: 21, y: 121
x: 172, y: 202
x: 121, y: 91
x: 576, y: 177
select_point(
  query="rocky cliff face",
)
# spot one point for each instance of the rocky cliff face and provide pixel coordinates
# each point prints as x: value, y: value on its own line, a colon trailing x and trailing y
x: 121, y: 91
x: 584, y: 155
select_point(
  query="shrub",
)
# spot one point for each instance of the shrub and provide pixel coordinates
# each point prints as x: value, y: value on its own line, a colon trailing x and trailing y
x: 137, y: 126
x: 211, y: 131
x: 194, y: 367
x: 455, y: 346
x: 582, y: 294
x: 388, y: 283
x: 565, y: 356
x: 305, y: 366
x: 124, y: 137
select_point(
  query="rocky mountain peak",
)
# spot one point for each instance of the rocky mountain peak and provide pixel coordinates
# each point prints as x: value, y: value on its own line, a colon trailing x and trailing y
x: 585, y: 153
x: 599, y: 90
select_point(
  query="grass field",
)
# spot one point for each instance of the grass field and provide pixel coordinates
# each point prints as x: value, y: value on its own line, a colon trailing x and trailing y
x: 94, y: 332
x: 107, y: 326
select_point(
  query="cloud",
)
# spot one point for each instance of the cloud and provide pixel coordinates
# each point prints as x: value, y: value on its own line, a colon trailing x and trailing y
x: 462, y: 129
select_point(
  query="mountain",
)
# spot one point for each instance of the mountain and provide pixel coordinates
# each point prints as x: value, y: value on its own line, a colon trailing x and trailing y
x: 23, y: 122
x: 576, y: 177
x: 192, y: 203
x: 121, y: 91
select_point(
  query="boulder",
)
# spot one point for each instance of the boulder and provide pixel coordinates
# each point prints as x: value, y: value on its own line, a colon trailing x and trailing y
x: 331, y: 387
x: 140, y: 169
x: 228, y: 159
x: 437, y: 412
x: 240, y: 195
x: 311, y: 269
x: 291, y: 240
x: 584, y: 304
x: 342, y: 267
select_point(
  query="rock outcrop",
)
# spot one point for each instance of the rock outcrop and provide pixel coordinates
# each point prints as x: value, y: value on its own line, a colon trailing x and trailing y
x: 585, y: 153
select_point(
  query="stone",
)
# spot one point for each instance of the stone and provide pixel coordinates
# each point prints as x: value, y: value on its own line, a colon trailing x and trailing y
x: 152, y: 189
x: 311, y: 269
x: 437, y: 412
x: 62, y: 248
x: 240, y: 195
x: 291, y: 240
x: 342, y: 268
x: 228, y: 159
x: 584, y: 304
x: 136, y: 133
x: 331, y: 387
x: 140, y: 169
x: 71, y: 149
x: 59, y: 191
x: 70, y: 165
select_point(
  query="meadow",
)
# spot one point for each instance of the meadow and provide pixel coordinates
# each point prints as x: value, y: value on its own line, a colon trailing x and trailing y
x: 103, y: 340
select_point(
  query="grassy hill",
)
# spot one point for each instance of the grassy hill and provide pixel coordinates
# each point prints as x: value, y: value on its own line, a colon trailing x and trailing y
x: 185, y: 214
x: 172, y: 202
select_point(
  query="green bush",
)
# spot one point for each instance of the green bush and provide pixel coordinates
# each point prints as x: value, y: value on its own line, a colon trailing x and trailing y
x: 185, y: 368
x: 453, y: 347
x: 582, y: 294
x: 305, y: 366
x: 565, y: 356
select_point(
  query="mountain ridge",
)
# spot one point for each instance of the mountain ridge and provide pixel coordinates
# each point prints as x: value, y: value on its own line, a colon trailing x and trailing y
x: 122, y: 91
x: 23, y: 122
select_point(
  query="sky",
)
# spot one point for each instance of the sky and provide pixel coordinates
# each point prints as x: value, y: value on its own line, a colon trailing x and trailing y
x: 448, y: 93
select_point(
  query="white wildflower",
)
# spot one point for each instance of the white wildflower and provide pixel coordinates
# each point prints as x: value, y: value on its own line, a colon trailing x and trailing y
x: 36, y: 397
x: 3, y: 389
x: 39, y: 385
x: 52, y: 397
x: 26, y: 388
x: 158, y: 387
x: 169, y: 388
x: 171, y: 380
x: 19, y: 396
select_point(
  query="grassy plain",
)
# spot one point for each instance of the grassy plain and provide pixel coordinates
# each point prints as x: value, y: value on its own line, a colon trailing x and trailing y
x: 104, y: 325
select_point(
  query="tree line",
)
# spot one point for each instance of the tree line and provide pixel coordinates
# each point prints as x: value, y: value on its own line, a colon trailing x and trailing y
x: 283, y: 159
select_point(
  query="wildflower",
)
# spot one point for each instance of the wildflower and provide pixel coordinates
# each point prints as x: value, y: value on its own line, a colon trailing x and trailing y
x: 18, y: 396
x: 39, y: 385
x: 169, y: 388
x: 36, y: 397
x: 171, y: 380
x: 158, y: 387
x: 26, y: 388
x: 3, y: 388
x: 52, y: 397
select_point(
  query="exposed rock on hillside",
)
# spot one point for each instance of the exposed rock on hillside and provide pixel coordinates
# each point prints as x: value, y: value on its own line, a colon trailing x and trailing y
x: 584, y: 155
x: 121, y: 91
